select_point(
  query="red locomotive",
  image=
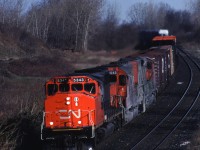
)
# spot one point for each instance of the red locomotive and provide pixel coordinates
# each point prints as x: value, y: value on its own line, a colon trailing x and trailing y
x: 86, y: 106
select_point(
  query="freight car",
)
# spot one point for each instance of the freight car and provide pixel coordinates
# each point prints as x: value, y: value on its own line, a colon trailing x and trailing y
x: 83, y: 108
x: 146, y: 36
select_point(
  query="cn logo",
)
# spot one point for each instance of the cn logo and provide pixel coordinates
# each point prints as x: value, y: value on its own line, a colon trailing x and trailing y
x: 76, y: 114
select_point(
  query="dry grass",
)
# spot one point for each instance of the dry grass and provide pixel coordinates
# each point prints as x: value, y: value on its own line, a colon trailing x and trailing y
x: 92, y: 59
x: 21, y: 95
x: 7, y: 140
x: 16, y: 43
x: 40, y: 66
x: 21, y: 104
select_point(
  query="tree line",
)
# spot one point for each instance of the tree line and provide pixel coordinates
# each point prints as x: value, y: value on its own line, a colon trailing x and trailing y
x: 80, y: 25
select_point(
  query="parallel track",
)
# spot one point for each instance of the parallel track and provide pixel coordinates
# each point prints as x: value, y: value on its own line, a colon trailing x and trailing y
x: 160, y: 133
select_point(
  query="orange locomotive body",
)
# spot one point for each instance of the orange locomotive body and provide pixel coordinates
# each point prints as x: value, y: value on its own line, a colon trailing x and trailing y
x: 67, y: 97
x: 72, y: 104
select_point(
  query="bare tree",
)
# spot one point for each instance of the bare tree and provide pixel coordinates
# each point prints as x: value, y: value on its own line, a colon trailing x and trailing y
x: 83, y: 14
x: 162, y: 9
x: 3, y: 10
x: 38, y: 20
x: 148, y: 15
x: 137, y: 13
x: 64, y: 23
x: 110, y: 25
x: 11, y: 11
x: 195, y: 6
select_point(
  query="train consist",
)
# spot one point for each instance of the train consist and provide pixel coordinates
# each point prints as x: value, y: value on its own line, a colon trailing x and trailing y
x: 90, y: 104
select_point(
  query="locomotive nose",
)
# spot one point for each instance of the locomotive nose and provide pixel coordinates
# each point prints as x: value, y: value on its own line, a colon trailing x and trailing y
x: 68, y: 111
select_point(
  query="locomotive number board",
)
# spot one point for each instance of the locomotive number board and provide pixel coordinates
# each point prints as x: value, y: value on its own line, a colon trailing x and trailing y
x: 62, y: 80
x: 78, y: 79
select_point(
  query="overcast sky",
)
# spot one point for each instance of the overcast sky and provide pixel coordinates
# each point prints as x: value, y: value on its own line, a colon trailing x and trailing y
x: 123, y: 5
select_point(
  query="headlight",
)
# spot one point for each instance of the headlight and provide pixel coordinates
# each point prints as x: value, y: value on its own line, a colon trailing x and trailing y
x: 67, y: 98
x: 51, y: 123
x: 67, y: 102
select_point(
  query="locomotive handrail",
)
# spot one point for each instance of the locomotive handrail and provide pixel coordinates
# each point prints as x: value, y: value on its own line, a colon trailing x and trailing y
x: 42, y: 125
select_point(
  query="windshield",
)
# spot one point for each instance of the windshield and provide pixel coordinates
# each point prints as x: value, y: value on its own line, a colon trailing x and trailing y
x: 52, y: 89
x: 90, y: 87
x: 64, y: 87
x: 122, y: 80
x: 113, y: 78
x: 77, y: 87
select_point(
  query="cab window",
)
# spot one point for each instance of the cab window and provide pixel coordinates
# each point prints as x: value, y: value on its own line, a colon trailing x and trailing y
x: 64, y: 87
x: 113, y: 78
x: 149, y: 65
x: 122, y: 80
x: 52, y: 89
x: 77, y: 87
x: 90, y: 87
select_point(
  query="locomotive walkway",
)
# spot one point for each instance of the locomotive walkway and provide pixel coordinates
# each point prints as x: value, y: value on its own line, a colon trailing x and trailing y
x: 163, y: 125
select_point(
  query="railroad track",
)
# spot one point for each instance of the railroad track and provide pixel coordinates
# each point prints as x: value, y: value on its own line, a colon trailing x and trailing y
x: 162, y: 131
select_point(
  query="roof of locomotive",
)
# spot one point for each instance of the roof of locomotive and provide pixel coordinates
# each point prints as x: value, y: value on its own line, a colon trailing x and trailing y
x: 100, y: 76
x: 101, y: 73
x: 96, y: 70
x: 103, y: 68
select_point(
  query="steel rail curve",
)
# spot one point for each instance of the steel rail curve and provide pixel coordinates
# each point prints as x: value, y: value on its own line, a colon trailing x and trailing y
x: 195, y: 100
x: 167, y: 116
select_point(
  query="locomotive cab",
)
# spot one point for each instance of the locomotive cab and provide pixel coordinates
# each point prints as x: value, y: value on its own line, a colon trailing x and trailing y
x: 118, y: 86
x: 72, y: 104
